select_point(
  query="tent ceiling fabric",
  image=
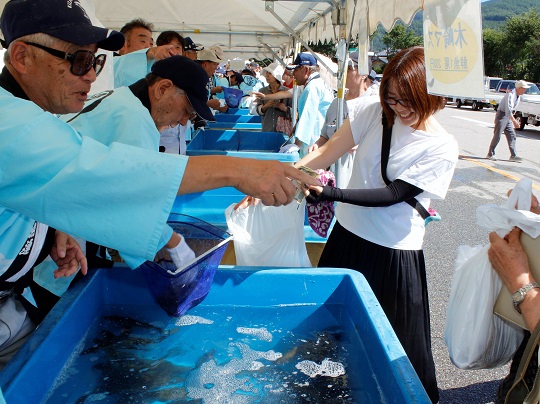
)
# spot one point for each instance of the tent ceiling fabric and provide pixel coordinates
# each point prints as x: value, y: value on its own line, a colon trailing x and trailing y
x: 242, y: 26
x: 209, y: 21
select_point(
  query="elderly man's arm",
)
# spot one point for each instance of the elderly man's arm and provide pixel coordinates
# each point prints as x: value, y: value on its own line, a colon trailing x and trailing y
x: 510, y: 261
x: 268, y: 180
x: 161, y: 52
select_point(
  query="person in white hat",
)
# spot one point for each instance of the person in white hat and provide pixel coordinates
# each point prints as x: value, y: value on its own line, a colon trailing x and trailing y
x: 210, y: 58
x: 505, y: 121
x: 272, y: 110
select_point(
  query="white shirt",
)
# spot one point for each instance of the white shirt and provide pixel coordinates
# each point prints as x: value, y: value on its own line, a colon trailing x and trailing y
x: 174, y: 139
x: 425, y: 159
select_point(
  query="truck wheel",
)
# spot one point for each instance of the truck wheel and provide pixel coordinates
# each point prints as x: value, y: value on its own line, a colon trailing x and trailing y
x: 475, y: 106
x: 458, y: 103
x: 522, y: 121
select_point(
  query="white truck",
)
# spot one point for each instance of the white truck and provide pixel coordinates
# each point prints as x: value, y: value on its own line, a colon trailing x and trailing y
x: 477, y: 104
x: 528, y: 111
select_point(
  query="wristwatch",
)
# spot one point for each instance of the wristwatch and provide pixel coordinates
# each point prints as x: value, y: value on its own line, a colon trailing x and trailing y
x: 519, y: 295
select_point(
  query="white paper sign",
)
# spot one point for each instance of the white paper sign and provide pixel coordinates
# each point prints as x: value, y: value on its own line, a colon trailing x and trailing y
x: 453, y: 48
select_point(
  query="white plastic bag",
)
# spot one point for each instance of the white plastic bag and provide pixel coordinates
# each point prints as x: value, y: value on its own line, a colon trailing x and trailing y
x: 269, y: 236
x: 477, y: 338
x: 470, y: 322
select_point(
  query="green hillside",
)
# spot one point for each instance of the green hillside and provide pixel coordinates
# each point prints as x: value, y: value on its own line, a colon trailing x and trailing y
x: 494, y: 14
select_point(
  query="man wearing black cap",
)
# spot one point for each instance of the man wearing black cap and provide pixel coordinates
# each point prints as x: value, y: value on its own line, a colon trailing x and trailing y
x: 23, y: 241
x: 118, y: 195
x: 172, y: 94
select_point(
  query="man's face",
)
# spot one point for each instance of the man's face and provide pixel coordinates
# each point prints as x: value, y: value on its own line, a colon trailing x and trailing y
x: 520, y: 91
x: 50, y: 83
x: 287, y: 77
x: 137, y: 39
x: 177, y: 45
x: 210, y: 67
x: 353, y: 77
x: 191, y: 53
x: 172, y: 109
x: 301, y: 74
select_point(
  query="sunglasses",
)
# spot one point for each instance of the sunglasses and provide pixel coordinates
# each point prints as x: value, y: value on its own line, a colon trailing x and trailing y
x: 81, y: 61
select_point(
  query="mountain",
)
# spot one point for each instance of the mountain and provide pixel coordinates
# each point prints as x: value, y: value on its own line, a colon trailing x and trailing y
x: 494, y: 14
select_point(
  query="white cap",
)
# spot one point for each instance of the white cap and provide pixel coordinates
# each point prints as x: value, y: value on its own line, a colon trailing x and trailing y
x: 522, y: 84
x: 276, y: 70
x: 210, y: 54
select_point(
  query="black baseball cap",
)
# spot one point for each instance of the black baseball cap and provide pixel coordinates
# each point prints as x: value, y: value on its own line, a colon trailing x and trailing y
x: 62, y: 19
x: 190, y: 77
x: 190, y: 45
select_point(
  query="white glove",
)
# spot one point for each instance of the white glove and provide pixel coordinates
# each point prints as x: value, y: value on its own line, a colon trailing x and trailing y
x: 181, y: 254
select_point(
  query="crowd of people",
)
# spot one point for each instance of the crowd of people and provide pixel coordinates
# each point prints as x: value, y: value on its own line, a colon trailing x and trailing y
x: 75, y: 165
x: 105, y: 183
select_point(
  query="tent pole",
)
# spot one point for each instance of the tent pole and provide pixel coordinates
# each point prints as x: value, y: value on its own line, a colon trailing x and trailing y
x: 339, y: 18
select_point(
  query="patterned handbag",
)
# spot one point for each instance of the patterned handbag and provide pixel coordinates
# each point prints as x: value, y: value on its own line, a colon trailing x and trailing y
x: 284, y: 125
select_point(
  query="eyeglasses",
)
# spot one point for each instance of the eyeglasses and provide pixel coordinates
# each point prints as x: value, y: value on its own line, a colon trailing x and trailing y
x: 192, y: 114
x: 394, y: 101
x: 81, y: 61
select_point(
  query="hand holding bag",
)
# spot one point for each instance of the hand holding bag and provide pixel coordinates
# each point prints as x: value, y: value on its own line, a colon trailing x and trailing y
x: 529, y: 222
x: 504, y: 307
x: 268, y: 235
x: 476, y: 338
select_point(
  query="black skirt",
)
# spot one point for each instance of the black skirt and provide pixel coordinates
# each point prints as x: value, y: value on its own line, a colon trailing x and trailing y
x: 398, y: 280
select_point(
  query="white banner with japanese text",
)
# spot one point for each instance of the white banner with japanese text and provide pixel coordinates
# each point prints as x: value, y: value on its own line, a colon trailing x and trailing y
x: 453, y: 48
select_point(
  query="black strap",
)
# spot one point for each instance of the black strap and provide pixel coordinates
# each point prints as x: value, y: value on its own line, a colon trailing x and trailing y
x: 385, y: 154
x: 93, y: 105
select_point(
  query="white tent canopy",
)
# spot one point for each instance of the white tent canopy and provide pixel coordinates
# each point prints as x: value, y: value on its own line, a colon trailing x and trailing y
x: 241, y: 26
x: 244, y: 28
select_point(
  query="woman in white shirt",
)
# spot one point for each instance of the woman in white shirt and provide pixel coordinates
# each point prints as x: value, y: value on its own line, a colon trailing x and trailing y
x: 377, y: 232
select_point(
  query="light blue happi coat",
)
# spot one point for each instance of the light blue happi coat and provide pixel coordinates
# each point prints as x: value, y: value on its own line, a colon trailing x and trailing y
x: 115, y: 195
x: 131, y: 67
x: 312, y: 106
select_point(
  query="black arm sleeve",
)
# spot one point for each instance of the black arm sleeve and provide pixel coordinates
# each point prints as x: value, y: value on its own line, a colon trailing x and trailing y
x: 395, y: 192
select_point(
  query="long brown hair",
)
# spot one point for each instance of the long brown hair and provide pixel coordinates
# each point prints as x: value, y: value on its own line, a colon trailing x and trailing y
x: 407, y: 70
